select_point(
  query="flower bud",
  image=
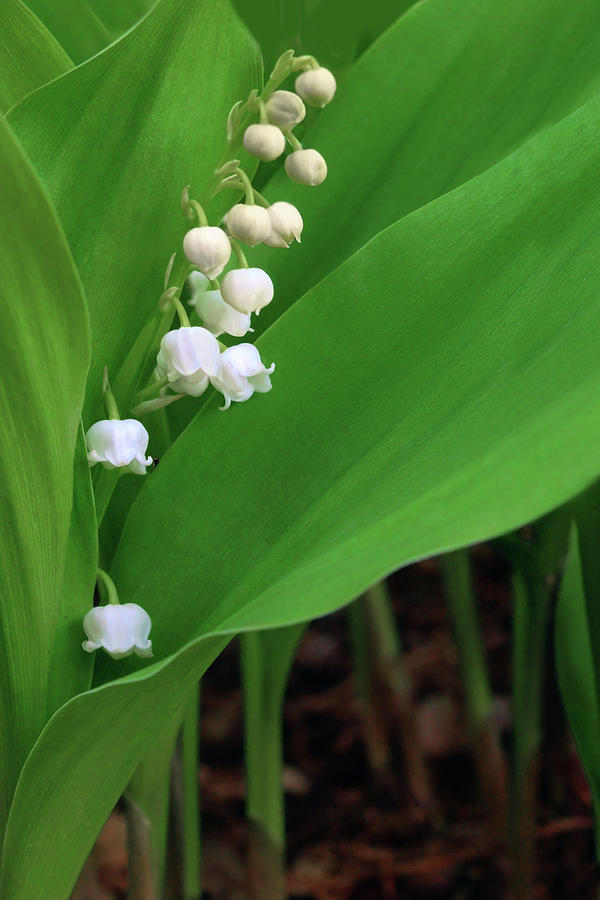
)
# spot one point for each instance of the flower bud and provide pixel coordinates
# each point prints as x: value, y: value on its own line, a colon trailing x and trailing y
x: 264, y: 141
x: 219, y: 317
x: 118, y: 444
x: 122, y: 629
x: 208, y: 248
x: 286, y: 224
x: 247, y: 290
x: 286, y: 109
x: 250, y: 224
x: 316, y: 86
x: 306, y: 167
x: 241, y: 373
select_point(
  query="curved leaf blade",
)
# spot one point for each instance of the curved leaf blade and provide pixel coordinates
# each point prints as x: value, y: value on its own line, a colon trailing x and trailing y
x: 29, y: 55
x: 44, y: 347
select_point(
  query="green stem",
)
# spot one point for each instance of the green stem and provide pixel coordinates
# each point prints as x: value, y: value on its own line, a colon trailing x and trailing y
x: 152, y: 387
x: 535, y: 586
x: 293, y: 140
x: 247, y: 186
x: 241, y: 256
x: 375, y: 737
x: 192, y: 882
x: 200, y: 214
x: 181, y: 312
x: 394, y: 689
x: 264, y: 773
x: 139, y: 867
x: 111, y: 590
x: 109, y: 398
x: 487, y: 752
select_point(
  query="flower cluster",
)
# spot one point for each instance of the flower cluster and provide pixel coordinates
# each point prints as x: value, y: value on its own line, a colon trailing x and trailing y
x: 190, y: 358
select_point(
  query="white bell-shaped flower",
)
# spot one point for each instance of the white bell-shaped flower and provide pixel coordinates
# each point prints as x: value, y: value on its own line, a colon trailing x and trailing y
x: 316, y: 86
x: 122, y: 629
x: 286, y: 224
x: 285, y: 109
x: 219, y: 317
x: 264, y: 141
x: 187, y: 356
x: 192, y: 385
x: 306, y: 167
x: 241, y: 373
x: 247, y: 290
x: 118, y: 444
x: 247, y: 223
x: 208, y: 248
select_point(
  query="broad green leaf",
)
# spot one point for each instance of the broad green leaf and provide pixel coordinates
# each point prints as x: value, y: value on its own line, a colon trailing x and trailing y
x: 81, y: 764
x: 44, y: 349
x: 323, y: 28
x: 437, y: 404
x: 71, y: 670
x: 85, y: 27
x: 29, y: 55
x: 451, y: 88
x: 116, y: 140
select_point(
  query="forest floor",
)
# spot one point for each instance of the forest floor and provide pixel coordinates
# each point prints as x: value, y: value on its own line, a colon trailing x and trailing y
x: 355, y: 829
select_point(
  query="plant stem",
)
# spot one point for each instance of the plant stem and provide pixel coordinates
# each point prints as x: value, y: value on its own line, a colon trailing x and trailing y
x: 374, y: 733
x: 392, y: 682
x: 536, y: 583
x: 192, y: 881
x: 487, y: 753
x: 264, y: 773
x: 139, y: 871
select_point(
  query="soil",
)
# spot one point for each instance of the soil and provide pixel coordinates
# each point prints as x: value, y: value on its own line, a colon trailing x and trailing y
x: 356, y: 830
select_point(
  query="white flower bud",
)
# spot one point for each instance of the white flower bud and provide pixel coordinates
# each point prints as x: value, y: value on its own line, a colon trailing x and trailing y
x: 208, y: 248
x: 247, y: 290
x: 250, y: 224
x: 286, y: 224
x: 187, y: 356
x: 264, y: 141
x: 122, y: 629
x: 316, y: 86
x: 118, y: 444
x: 219, y: 317
x: 241, y: 373
x: 286, y: 109
x: 306, y: 167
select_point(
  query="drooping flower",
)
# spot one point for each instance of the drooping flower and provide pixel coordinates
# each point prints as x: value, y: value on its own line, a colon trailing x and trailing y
x: 121, y: 629
x: 286, y: 224
x: 264, y: 141
x: 118, y: 444
x: 306, y: 167
x: 208, y: 248
x: 187, y: 356
x: 247, y: 223
x: 316, y: 86
x: 241, y: 373
x: 247, y: 290
x: 219, y: 317
x: 285, y: 109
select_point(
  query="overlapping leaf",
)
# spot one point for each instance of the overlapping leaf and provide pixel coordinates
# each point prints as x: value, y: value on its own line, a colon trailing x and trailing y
x: 44, y: 349
x: 29, y: 55
x: 445, y: 93
x: 117, y: 139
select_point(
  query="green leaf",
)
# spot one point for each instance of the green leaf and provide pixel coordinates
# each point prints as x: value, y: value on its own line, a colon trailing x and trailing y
x: 446, y: 92
x: 77, y: 25
x: 116, y: 140
x: 44, y: 348
x: 418, y: 405
x: 29, y: 55
x: 71, y: 670
x: 323, y: 28
x: 80, y: 766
